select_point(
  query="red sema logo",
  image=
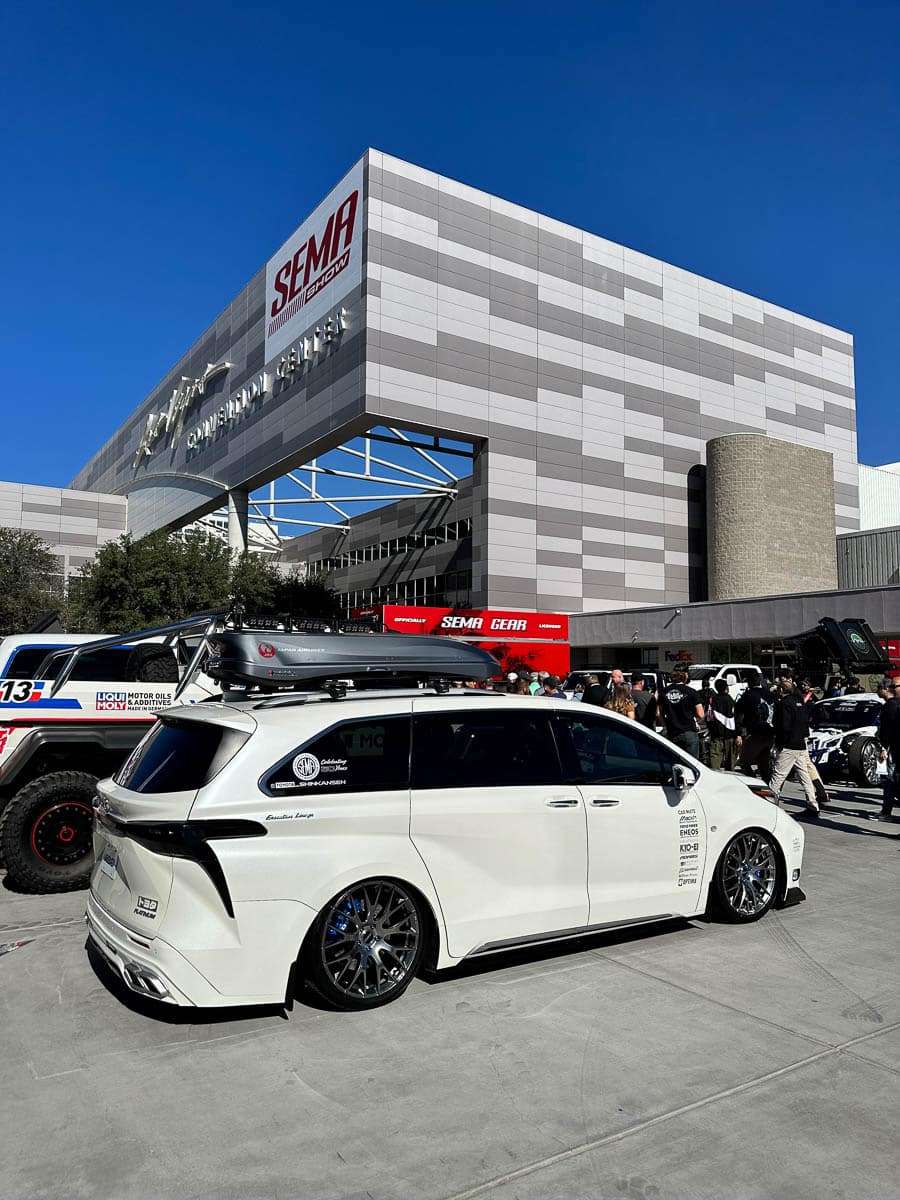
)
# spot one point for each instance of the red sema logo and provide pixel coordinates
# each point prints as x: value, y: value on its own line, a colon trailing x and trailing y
x: 266, y: 650
x: 314, y: 265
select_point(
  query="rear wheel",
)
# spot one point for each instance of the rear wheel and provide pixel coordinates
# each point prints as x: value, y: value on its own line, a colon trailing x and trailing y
x: 862, y: 761
x: 366, y: 945
x: 46, y: 833
x: 746, y: 880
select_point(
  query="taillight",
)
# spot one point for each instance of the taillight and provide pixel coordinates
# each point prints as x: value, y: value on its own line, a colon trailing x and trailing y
x: 190, y: 840
x: 180, y: 839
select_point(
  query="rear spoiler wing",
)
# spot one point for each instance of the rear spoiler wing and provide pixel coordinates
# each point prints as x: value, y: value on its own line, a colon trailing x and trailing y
x: 849, y: 642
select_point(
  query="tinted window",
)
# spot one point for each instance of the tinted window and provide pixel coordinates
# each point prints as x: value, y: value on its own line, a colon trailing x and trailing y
x: 357, y: 756
x: 179, y: 756
x: 750, y: 676
x: 608, y: 752
x: 483, y: 749
x: 112, y: 664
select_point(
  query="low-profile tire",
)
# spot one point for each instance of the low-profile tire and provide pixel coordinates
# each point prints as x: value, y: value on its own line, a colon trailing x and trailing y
x: 862, y: 761
x: 46, y: 833
x: 747, y: 877
x: 366, y: 945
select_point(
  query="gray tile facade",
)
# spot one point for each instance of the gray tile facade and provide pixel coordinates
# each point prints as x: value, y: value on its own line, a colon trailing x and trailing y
x: 591, y: 376
x: 74, y: 524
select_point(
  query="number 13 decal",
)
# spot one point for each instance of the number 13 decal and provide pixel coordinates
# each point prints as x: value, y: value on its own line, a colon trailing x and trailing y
x: 16, y: 691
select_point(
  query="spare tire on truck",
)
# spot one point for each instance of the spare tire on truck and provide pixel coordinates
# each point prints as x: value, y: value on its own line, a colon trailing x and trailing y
x: 46, y: 832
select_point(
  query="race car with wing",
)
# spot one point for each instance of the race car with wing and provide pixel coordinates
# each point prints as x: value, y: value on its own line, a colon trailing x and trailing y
x: 843, y: 739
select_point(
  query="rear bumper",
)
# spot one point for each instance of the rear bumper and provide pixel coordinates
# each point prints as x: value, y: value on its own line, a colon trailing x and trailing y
x: 151, y: 968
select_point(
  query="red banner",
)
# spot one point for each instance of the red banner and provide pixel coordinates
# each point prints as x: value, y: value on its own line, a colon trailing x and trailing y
x: 506, y: 624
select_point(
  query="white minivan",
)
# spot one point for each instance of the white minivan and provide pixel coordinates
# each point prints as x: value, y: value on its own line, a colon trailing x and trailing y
x: 247, y: 847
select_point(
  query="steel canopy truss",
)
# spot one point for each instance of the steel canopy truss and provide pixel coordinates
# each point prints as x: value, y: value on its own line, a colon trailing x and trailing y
x: 380, y: 467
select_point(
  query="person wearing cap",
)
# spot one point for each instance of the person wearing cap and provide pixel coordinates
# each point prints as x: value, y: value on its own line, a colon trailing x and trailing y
x: 512, y: 678
x: 643, y: 700
x: 682, y: 713
x: 551, y: 688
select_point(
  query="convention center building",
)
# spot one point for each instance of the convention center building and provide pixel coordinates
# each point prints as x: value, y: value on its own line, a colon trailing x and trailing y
x: 620, y: 432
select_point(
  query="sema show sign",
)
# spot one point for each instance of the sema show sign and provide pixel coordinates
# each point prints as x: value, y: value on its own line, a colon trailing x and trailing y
x: 318, y: 263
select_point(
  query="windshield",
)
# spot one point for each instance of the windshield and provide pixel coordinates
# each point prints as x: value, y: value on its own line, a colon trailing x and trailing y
x: 702, y: 670
x: 844, y: 714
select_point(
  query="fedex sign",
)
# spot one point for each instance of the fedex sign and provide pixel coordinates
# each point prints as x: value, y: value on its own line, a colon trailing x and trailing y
x: 300, y: 276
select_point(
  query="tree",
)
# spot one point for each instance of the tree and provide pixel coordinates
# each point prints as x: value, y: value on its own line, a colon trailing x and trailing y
x: 164, y: 577
x: 158, y: 579
x: 27, y: 567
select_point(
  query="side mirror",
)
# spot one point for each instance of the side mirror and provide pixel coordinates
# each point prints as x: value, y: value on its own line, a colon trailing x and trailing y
x: 683, y: 778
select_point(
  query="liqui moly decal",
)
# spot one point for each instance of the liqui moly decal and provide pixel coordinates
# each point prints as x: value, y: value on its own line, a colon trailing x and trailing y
x: 319, y: 263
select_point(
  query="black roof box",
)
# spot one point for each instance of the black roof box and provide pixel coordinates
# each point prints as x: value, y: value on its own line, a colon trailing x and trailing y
x: 284, y: 660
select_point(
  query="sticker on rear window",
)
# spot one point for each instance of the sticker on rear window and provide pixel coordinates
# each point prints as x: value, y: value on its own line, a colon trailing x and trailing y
x: 306, y: 767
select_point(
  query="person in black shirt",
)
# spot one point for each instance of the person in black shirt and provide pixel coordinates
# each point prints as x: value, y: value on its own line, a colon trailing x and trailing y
x: 889, y: 736
x: 791, y: 729
x: 753, y: 722
x: 682, y: 713
x: 599, y: 694
x: 644, y: 701
x: 722, y: 736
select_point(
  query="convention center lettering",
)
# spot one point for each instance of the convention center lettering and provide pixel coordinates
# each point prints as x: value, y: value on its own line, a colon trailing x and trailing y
x: 170, y: 421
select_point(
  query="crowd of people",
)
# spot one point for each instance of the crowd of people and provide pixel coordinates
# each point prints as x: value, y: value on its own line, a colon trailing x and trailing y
x: 764, y: 732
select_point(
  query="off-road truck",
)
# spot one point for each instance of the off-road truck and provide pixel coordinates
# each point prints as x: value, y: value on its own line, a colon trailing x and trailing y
x: 72, y: 707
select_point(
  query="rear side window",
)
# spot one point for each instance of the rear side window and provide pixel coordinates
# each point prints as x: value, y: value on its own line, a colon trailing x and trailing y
x: 483, y: 749
x: 356, y: 756
x: 179, y: 756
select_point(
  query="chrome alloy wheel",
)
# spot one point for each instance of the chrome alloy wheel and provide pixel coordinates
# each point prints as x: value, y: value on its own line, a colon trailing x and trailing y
x: 869, y: 758
x: 370, y: 940
x: 749, y: 874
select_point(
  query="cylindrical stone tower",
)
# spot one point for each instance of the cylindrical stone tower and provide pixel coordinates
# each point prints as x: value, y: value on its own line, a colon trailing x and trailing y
x: 770, y: 517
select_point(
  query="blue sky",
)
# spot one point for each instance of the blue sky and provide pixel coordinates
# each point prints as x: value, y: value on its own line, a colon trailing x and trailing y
x: 157, y: 155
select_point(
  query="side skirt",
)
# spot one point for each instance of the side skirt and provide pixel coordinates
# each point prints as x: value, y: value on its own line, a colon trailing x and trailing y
x: 561, y: 935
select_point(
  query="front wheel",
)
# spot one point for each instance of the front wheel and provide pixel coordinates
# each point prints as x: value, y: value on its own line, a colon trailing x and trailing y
x: 862, y: 761
x: 366, y: 945
x: 746, y: 878
x: 46, y: 833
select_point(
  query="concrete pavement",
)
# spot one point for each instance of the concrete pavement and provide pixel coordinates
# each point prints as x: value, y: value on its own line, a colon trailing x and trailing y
x: 691, y: 1060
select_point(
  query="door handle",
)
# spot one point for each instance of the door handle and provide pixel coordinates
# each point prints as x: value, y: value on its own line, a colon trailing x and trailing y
x: 604, y: 802
x: 561, y: 802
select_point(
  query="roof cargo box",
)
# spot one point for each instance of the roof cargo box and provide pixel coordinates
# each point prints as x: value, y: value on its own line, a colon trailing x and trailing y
x: 305, y: 660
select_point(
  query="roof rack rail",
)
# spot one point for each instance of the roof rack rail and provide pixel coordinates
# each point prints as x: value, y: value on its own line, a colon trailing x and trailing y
x: 291, y: 699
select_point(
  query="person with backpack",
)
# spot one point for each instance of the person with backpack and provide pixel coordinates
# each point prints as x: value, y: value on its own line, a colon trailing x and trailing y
x: 753, y: 723
x: 723, y: 737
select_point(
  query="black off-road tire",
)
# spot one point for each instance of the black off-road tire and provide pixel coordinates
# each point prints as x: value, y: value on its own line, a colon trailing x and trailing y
x: 46, y: 833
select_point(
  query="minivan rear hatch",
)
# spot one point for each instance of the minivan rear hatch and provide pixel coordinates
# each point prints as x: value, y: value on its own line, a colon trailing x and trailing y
x: 141, y: 817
